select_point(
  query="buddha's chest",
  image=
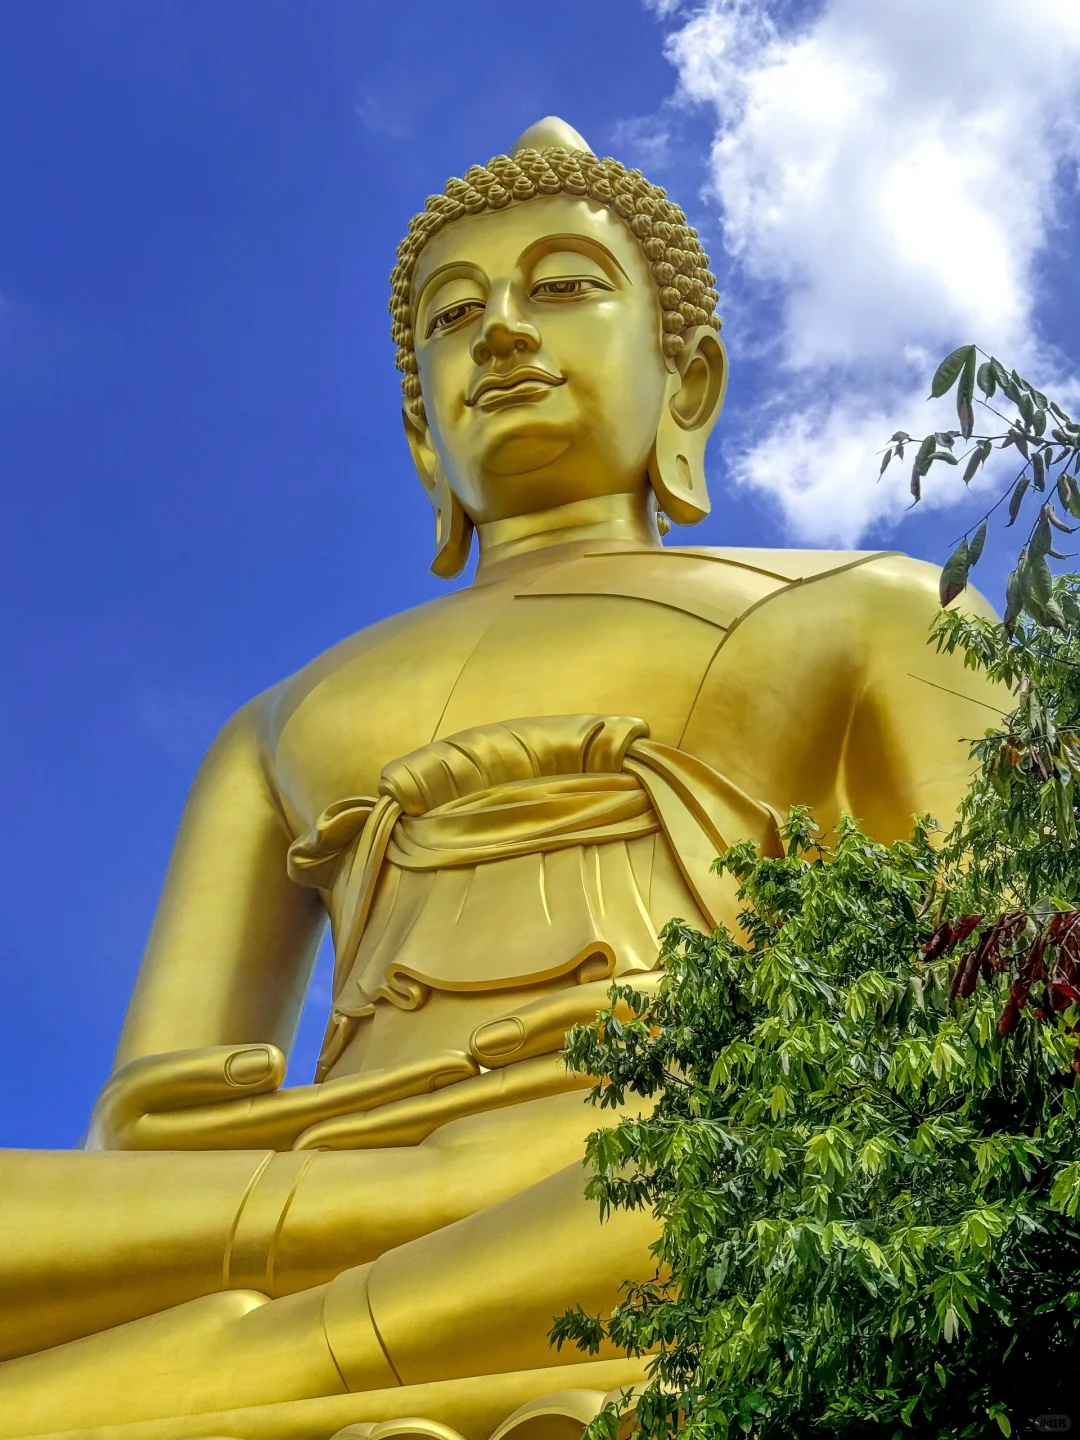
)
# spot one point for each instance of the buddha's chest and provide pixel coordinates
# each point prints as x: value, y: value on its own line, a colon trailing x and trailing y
x: 495, y: 657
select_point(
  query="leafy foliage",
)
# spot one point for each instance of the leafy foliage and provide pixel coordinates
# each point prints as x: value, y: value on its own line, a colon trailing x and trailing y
x: 863, y: 1141
x: 1046, y: 439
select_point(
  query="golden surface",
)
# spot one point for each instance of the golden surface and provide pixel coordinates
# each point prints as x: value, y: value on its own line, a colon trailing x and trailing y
x: 498, y: 799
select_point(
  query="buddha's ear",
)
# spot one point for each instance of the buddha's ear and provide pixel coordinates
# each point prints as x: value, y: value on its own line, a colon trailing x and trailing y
x: 453, y: 528
x: 695, y: 397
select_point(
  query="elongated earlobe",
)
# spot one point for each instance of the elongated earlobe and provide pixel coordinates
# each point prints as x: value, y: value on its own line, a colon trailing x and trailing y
x: 453, y: 528
x: 696, y: 397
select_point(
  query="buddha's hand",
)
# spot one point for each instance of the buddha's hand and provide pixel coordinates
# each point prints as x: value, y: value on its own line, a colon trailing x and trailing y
x: 540, y: 1026
x: 228, y: 1097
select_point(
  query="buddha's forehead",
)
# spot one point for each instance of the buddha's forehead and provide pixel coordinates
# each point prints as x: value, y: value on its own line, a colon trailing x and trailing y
x: 497, y: 242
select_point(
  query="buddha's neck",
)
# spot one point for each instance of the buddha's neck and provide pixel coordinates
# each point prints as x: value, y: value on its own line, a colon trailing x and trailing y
x: 615, y: 521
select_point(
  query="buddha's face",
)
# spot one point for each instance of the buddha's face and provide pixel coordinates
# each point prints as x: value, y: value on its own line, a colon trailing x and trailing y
x: 538, y: 334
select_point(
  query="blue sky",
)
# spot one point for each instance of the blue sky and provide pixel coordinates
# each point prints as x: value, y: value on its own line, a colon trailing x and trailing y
x: 204, y: 478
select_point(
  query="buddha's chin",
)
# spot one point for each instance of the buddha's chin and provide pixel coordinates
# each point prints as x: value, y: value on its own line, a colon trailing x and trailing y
x: 525, y: 454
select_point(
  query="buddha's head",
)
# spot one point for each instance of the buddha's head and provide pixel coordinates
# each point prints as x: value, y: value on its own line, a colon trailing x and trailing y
x: 556, y: 329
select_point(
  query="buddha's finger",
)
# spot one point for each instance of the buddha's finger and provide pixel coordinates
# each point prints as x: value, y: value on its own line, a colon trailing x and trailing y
x: 273, y: 1122
x: 540, y: 1026
x: 287, y: 1113
x: 411, y: 1120
x: 182, y: 1080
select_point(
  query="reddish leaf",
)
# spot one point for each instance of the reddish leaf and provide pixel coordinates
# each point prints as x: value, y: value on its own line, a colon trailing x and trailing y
x: 970, y: 967
x: 963, y: 927
x: 939, y: 942
x: 1010, y: 1017
x: 948, y: 935
x: 1065, y: 971
x: 1062, y: 989
x: 965, y: 976
x: 1033, y: 968
x: 1062, y: 926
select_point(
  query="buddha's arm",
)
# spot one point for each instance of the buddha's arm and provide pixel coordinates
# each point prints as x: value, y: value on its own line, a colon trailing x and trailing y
x: 907, y: 749
x: 223, y: 981
x: 234, y: 939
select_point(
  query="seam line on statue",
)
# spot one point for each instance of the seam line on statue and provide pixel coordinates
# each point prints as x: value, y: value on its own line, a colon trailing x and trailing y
x: 841, y: 789
x: 542, y: 878
x: 806, y: 580
x: 271, y: 1254
x: 705, y: 673
x: 639, y: 899
x: 679, y: 554
x: 227, y: 1258
x: 694, y: 614
x: 461, y: 671
x: 378, y: 1334
x: 765, y: 599
x: 465, y: 894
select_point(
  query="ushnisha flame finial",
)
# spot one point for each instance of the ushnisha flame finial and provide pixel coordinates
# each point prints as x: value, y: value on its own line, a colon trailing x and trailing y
x: 550, y: 133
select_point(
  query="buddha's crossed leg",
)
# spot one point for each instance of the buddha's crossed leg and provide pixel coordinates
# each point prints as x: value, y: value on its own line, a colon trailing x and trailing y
x: 482, y: 1235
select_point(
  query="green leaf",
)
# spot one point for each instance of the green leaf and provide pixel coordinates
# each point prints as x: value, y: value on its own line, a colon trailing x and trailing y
x: 1025, y: 400
x: 1038, y: 468
x: 1069, y: 493
x: 1017, y: 497
x: 885, y: 459
x: 1065, y: 1194
x: 975, y: 547
x: 1043, y: 538
x: 949, y: 370
x: 1014, y: 601
x: 965, y: 392
x: 978, y: 456
x: 1053, y: 616
x: 1038, y: 587
x: 986, y: 379
x: 954, y: 574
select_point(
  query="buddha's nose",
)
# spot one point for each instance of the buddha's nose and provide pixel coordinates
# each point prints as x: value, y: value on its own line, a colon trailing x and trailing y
x: 504, y: 330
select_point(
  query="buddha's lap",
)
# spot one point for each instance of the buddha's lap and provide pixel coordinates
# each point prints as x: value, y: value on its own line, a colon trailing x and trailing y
x: 533, y: 1250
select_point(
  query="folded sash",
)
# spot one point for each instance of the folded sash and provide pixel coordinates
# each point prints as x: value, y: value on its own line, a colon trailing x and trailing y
x: 515, y: 853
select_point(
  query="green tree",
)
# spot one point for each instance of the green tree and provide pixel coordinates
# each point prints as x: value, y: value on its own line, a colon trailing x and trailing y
x: 864, y: 1144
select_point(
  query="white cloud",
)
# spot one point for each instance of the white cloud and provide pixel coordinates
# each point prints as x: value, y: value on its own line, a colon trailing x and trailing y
x: 889, y: 172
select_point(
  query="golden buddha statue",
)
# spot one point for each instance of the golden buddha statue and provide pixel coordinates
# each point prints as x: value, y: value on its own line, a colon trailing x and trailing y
x: 498, y: 799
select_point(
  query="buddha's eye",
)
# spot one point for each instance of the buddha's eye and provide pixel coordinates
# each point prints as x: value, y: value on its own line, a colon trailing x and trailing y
x: 571, y: 288
x: 453, y: 315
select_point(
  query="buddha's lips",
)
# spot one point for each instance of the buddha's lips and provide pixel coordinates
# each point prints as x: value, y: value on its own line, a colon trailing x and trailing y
x: 524, y: 374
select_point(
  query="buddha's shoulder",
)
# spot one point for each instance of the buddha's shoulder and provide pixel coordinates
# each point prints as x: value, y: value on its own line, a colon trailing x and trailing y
x: 412, y: 642
x: 726, y: 585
